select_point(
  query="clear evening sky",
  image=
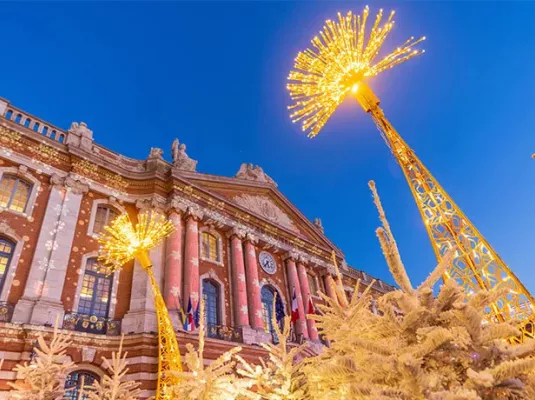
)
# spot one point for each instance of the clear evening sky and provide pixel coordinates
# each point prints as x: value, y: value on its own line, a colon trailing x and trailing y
x: 213, y: 74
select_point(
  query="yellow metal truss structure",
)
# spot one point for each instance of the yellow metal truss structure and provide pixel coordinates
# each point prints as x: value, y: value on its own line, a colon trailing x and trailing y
x: 169, y: 358
x: 476, y: 265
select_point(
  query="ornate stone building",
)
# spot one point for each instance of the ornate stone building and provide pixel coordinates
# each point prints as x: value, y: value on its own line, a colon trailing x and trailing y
x: 237, y: 242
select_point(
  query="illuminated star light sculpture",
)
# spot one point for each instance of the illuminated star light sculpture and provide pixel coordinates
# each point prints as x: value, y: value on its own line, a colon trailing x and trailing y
x: 124, y: 242
x: 342, y: 58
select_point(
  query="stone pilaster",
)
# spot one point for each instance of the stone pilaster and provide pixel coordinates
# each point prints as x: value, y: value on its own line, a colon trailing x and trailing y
x: 141, y: 317
x: 301, y: 326
x: 241, y: 310
x: 41, y: 303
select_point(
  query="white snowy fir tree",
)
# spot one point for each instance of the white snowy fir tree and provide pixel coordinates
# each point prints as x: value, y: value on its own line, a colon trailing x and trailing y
x: 114, y: 386
x: 420, y: 346
x: 216, y: 381
x: 280, y: 377
x: 44, y: 377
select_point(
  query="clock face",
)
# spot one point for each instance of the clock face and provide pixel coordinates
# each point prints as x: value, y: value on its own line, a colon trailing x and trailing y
x: 267, y: 262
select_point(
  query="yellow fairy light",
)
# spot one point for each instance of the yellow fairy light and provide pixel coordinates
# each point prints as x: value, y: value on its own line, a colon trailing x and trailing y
x: 343, y: 55
x: 122, y: 242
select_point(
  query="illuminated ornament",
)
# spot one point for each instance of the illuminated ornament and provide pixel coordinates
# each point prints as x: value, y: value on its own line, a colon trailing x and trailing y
x: 343, y: 57
x: 123, y: 242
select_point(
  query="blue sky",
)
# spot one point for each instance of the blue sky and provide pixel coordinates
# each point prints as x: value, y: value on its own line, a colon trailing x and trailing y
x: 213, y: 74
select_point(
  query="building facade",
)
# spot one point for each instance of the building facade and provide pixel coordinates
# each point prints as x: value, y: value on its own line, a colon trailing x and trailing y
x: 238, y: 242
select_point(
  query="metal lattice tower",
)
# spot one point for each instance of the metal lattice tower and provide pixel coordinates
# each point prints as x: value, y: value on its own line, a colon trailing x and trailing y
x: 476, y: 265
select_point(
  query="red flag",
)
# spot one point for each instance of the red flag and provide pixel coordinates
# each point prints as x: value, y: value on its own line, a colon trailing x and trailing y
x: 311, y: 308
x: 295, y: 312
x: 189, y: 324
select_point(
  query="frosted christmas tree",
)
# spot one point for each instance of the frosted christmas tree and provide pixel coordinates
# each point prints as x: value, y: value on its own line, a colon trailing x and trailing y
x: 421, y: 346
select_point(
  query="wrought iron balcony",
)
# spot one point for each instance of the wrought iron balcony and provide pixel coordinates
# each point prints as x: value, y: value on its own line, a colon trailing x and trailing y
x: 6, y: 311
x: 222, y: 332
x: 91, y: 324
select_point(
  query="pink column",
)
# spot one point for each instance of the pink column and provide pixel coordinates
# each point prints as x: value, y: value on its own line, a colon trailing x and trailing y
x: 305, y: 291
x: 191, y: 259
x: 173, y: 263
x: 241, y: 311
x: 294, y: 283
x: 253, y: 285
x: 330, y: 286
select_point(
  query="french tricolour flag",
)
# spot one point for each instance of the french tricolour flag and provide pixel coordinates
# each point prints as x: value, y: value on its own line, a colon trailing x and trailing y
x: 189, y: 325
x: 295, y: 312
x: 311, y: 308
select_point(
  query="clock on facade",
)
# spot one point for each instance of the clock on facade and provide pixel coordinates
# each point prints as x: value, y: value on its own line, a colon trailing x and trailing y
x: 267, y: 262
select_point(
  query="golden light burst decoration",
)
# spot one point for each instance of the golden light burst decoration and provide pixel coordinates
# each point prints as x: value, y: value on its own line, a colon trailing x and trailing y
x: 341, y: 57
x: 124, y: 241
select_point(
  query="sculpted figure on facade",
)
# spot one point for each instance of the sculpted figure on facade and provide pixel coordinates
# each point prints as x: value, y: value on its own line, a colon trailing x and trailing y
x: 80, y: 136
x: 318, y: 224
x: 253, y: 173
x: 180, y: 159
x: 155, y: 153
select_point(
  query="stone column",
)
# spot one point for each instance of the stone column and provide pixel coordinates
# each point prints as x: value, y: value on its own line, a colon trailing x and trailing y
x: 239, y: 295
x: 173, y: 262
x: 293, y: 278
x: 253, y: 285
x: 41, y: 302
x: 191, y: 258
x: 330, y: 286
x: 305, y: 291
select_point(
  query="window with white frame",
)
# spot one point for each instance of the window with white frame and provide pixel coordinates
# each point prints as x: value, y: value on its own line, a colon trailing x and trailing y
x: 104, y: 215
x: 210, y: 247
x: 14, y: 193
x: 96, y: 290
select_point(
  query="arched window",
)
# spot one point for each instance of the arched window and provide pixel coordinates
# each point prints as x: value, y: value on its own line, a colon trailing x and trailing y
x: 74, y: 382
x: 6, y: 254
x: 210, y: 294
x: 61, y: 138
x: 104, y: 215
x: 210, y: 247
x: 14, y: 193
x: 9, y: 114
x: 96, y: 292
x: 267, y: 295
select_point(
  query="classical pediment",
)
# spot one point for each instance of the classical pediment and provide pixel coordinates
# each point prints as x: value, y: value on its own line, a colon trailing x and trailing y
x: 262, y: 198
x: 265, y: 207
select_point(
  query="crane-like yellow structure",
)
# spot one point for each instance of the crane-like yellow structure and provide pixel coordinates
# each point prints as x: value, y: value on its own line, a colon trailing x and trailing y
x: 342, y: 58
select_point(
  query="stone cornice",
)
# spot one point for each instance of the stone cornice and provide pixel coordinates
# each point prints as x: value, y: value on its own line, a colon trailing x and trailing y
x: 151, y: 203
